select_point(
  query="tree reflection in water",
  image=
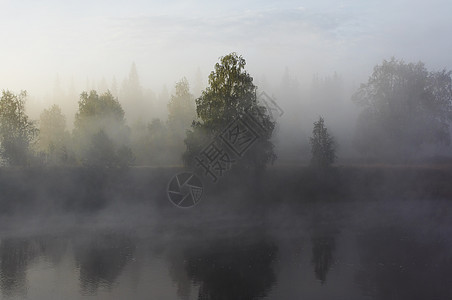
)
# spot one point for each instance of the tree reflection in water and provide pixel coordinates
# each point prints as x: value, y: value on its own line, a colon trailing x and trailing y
x: 102, y: 260
x: 15, y: 255
x: 324, y: 228
x: 322, y: 255
x: 392, y: 261
x: 227, y: 268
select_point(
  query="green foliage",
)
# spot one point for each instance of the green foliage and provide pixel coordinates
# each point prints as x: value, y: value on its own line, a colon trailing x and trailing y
x: 181, y: 109
x: 101, y: 151
x: 150, y: 143
x: 197, y: 138
x: 181, y: 113
x: 229, y: 94
x: 99, y: 110
x: 323, y: 146
x: 100, y: 130
x: 16, y: 130
x: 404, y: 107
x: 53, y: 140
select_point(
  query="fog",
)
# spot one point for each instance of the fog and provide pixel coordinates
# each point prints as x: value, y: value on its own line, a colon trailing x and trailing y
x: 225, y: 150
x: 56, y: 51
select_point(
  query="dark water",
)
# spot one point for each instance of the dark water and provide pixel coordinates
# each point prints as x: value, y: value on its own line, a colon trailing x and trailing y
x: 372, y: 250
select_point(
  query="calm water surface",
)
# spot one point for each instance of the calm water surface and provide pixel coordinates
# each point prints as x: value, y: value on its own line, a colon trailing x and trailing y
x: 373, y: 250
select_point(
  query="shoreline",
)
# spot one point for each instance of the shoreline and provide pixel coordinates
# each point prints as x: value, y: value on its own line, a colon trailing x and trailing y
x: 83, y: 189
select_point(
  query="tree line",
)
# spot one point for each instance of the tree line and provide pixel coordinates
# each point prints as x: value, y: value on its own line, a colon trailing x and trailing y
x: 404, y: 108
x: 100, y: 136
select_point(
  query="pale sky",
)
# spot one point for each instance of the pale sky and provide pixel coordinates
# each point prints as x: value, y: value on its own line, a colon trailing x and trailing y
x: 171, y: 39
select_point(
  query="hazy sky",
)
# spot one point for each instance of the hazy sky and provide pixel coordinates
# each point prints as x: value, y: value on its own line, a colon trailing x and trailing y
x: 171, y: 39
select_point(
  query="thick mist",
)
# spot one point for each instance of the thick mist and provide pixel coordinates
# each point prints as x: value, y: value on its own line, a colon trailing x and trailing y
x: 140, y: 51
x: 301, y: 103
x: 225, y: 150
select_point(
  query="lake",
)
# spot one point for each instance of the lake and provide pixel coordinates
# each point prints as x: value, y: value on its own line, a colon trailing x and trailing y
x: 347, y: 250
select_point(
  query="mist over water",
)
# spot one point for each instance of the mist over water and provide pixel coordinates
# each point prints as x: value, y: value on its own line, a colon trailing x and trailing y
x: 236, y: 150
x: 382, y: 250
x: 235, y: 244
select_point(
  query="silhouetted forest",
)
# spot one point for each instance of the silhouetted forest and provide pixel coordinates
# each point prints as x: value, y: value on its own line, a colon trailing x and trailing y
x: 401, y: 115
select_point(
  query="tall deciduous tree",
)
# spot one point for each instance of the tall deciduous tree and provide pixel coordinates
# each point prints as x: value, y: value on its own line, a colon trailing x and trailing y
x: 100, y: 124
x: 404, y: 107
x: 181, y: 108
x: 229, y: 94
x: 53, y: 140
x: 16, y: 130
x: 181, y: 113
